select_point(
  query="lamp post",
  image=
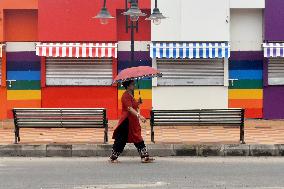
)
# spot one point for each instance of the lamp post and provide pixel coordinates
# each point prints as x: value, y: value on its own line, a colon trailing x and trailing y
x: 134, y: 13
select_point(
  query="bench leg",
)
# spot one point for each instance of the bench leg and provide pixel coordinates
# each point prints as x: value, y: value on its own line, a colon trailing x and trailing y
x: 152, y: 134
x: 242, y: 134
x: 17, y: 137
x: 106, y: 135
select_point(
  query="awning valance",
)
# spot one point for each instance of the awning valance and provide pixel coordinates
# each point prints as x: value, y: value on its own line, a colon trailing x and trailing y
x: 189, y: 50
x: 273, y: 50
x: 77, y: 50
x: 1, y: 50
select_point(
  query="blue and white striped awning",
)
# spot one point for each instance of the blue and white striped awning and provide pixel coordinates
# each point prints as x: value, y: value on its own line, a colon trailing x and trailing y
x: 190, y: 50
x: 273, y: 50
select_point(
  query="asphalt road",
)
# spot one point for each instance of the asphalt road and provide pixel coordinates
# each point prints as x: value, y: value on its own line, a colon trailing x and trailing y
x: 97, y: 173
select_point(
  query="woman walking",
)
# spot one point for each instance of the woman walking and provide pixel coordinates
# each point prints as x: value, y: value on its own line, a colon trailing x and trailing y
x: 129, y: 129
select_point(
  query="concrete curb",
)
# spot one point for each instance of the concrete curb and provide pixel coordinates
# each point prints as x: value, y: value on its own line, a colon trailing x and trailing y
x: 161, y: 150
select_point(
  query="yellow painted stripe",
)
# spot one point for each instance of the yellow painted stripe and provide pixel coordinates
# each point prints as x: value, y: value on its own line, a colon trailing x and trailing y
x: 23, y: 94
x: 145, y: 93
x: 246, y: 94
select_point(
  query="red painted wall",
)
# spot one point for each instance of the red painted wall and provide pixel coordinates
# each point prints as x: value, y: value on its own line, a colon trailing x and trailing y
x: 3, y: 90
x: 81, y: 97
x: 3, y: 103
x: 71, y: 20
x: 20, y: 25
x: 14, y: 4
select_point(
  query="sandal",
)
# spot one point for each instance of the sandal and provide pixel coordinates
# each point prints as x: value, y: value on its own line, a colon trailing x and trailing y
x: 147, y: 160
x: 113, y: 161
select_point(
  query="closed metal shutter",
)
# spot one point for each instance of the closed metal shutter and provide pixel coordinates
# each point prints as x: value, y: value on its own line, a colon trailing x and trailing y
x: 79, y: 71
x: 0, y: 71
x: 276, y: 71
x: 187, y: 72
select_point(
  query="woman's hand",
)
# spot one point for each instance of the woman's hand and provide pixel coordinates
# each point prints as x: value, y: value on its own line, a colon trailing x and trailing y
x: 143, y: 119
x: 140, y: 101
x: 136, y: 113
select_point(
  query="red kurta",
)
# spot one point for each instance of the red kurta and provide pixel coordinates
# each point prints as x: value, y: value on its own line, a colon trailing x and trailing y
x: 134, y: 128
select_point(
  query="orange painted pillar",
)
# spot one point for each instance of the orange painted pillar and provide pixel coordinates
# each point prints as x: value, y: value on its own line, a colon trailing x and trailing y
x: 3, y: 90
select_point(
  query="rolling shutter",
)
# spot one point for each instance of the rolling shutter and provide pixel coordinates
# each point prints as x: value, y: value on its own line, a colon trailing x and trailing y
x: 79, y: 71
x: 191, y: 72
x: 276, y: 71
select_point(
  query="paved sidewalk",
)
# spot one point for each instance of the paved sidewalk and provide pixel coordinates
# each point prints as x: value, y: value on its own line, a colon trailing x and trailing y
x: 256, y: 132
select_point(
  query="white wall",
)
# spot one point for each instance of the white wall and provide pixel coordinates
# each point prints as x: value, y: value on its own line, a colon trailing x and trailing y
x: 192, y: 20
x: 138, y: 45
x: 20, y: 46
x: 260, y: 4
x: 189, y: 97
x: 246, y: 29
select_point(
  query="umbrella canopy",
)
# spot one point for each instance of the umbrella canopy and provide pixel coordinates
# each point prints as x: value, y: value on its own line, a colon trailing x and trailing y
x: 137, y: 73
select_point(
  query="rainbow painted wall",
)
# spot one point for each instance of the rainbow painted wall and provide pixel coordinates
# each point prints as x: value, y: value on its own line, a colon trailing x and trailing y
x: 247, y: 91
x: 23, y: 78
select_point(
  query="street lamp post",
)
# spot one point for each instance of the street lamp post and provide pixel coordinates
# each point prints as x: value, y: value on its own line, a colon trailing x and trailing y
x: 134, y: 13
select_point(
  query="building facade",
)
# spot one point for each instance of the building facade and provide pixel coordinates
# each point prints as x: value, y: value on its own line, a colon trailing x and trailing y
x: 214, y: 54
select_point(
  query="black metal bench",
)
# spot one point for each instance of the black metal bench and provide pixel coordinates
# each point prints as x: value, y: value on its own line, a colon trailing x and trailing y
x: 60, y: 118
x: 199, y: 117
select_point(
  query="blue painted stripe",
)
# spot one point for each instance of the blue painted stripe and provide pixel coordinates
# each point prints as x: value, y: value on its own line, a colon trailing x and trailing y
x: 245, y: 74
x: 174, y: 50
x: 214, y: 51
x: 168, y: 50
x: 220, y: 50
x: 187, y: 50
x: 207, y: 50
x: 201, y: 51
x: 246, y: 65
x: 227, y: 50
x: 23, y: 75
x: 23, y: 66
x: 194, y: 50
x: 181, y: 51
x: 154, y: 50
x: 161, y: 49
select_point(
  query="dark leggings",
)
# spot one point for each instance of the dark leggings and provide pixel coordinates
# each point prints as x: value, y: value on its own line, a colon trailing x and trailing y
x: 121, y: 140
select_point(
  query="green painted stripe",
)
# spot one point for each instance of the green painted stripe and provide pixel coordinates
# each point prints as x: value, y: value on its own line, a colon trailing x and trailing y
x: 246, y: 84
x: 144, y: 84
x: 24, y: 85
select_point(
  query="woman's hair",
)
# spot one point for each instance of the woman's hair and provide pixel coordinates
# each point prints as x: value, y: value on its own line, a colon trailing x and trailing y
x: 125, y: 84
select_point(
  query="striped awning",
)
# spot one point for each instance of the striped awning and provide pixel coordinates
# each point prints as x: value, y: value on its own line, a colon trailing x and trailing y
x: 77, y: 50
x: 190, y: 50
x: 273, y: 50
x: 1, y: 50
